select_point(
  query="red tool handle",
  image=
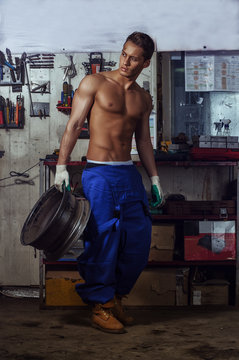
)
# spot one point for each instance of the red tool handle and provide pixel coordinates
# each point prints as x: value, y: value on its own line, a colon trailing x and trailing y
x: 17, y: 113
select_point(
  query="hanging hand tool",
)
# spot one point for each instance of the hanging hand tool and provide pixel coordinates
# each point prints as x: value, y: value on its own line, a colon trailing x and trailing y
x: 33, y: 56
x: 21, y: 112
x: 109, y: 63
x: 18, y: 67
x: 28, y: 85
x: 96, y: 60
x: 22, y: 66
x: 41, y: 66
x: 40, y: 114
x: 2, y: 106
x: 11, y: 112
x: 48, y: 55
x: 17, y: 113
x: 69, y: 70
x: 39, y: 61
x: 35, y: 62
x: 3, y: 61
x: 97, y: 63
x: 1, y: 116
x: 1, y: 72
x: 64, y: 94
x: 7, y: 111
x: 9, y: 56
x: 44, y: 88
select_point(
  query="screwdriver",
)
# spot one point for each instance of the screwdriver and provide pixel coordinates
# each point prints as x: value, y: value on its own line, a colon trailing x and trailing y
x: 17, y: 112
x: 7, y: 109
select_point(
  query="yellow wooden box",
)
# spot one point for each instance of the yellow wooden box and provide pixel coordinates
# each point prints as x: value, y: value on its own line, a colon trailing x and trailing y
x: 60, y: 288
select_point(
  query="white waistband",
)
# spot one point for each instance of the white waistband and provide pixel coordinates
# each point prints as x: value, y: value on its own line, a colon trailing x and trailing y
x: 129, y: 162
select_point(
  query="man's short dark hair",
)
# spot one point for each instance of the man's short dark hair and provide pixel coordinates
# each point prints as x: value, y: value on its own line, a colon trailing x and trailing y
x: 144, y: 41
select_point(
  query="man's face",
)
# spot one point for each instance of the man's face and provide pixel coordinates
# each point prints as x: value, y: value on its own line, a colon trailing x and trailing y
x: 132, y: 61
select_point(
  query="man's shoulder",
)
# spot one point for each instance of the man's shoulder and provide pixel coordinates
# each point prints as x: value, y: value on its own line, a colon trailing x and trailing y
x: 93, y: 78
x: 102, y: 78
x: 145, y: 94
x: 91, y: 83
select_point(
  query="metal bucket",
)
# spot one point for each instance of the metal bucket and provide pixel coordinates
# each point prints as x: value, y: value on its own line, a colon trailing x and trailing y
x: 55, y: 223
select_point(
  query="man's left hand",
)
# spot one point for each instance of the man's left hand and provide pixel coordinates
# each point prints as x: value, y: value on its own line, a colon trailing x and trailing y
x: 157, y: 193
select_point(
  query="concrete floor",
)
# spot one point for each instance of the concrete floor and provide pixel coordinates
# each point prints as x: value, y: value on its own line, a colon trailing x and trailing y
x: 28, y: 333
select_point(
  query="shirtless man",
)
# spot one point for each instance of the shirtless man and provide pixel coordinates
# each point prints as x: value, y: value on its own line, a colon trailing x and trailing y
x: 118, y: 234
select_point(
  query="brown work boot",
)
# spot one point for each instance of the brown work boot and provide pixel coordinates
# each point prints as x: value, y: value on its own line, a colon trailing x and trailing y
x: 119, y: 312
x: 103, y: 319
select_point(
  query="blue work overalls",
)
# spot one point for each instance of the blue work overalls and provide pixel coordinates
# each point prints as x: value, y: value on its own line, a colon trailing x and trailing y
x: 118, y: 235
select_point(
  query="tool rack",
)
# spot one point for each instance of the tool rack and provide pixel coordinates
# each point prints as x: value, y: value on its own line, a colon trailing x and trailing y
x: 45, y: 169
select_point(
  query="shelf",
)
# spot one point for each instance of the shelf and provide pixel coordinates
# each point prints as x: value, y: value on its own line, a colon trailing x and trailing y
x: 64, y: 109
x: 192, y: 217
x: 49, y: 162
x: 194, y: 163
x: 159, y: 163
x: 60, y: 261
x: 192, y: 263
x: 10, y: 83
x: 165, y: 217
x: 173, y: 263
x: 12, y: 126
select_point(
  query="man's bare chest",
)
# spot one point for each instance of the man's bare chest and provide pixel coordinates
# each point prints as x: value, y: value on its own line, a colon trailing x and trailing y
x: 113, y: 99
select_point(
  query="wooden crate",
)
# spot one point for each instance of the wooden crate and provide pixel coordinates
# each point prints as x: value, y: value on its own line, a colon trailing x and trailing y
x: 60, y: 288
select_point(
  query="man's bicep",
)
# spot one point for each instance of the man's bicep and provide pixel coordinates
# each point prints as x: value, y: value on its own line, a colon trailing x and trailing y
x: 82, y: 103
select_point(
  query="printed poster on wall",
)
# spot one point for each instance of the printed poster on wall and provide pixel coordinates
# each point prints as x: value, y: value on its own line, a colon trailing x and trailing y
x: 207, y: 72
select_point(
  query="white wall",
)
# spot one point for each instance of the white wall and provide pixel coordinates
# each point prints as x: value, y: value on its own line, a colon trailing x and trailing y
x: 83, y: 25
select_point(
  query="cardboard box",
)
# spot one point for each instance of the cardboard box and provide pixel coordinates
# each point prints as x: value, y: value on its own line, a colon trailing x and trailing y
x: 232, y: 145
x: 160, y: 287
x: 205, y: 144
x: 206, y: 138
x: 219, y: 145
x: 176, y: 147
x: 212, y: 292
x: 162, y: 242
x: 232, y: 139
x: 219, y: 139
x: 209, y: 240
x: 60, y: 288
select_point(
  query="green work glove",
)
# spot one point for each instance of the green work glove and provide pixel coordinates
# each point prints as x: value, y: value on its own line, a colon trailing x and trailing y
x: 62, y: 178
x: 156, y: 192
x: 68, y: 187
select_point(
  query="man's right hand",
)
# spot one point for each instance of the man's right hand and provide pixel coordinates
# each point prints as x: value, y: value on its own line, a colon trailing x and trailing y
x: 62, y: 178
